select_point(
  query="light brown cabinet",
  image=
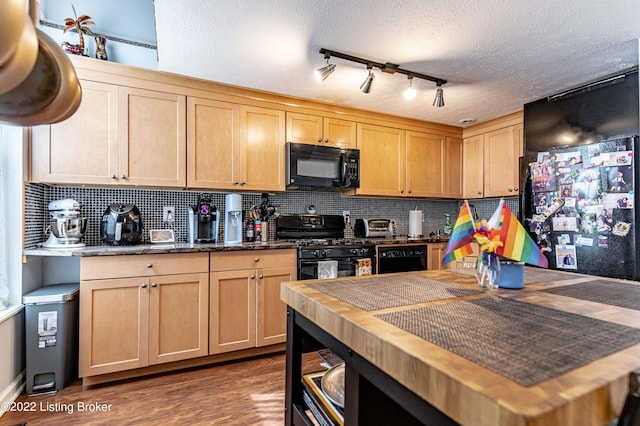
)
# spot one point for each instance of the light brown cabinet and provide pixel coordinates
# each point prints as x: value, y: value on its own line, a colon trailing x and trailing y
x: 435, y: 253
x: 400, y: 163
x: 492, y: 159
x: 246, y: 310
x: 142, y: 310
x: 233, y: 146
x: 110, y: 141
x: 318, y: 130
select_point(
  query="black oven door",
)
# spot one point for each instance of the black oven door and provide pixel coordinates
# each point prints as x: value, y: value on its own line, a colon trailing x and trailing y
x: 308, y: 269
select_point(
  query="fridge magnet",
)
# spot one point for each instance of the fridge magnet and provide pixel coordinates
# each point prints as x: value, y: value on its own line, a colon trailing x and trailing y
x: 566, y: 257
x: 564, y: 223
x: 619, y: 179
x: 621, y: 229
x: 588, y: 223
x: 604, y: 222
x: 544, y: 177
x: 568, y: 158
x: 564, y: 239
x: 617, y: 201
x: 618, y: 158
x: 541, y: 199
x: 582, y: 241
x: 587, y: 184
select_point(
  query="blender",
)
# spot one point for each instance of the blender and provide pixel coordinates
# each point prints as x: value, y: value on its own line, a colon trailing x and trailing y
x: 233, y: 219
x: 67, y: 227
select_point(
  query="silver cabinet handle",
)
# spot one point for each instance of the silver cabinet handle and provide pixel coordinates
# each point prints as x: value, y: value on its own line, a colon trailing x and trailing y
x: 149, y: 265
x: 479, y: 193
x: 409, y: 191
x: 257, y: 259
x: 113, y: 176
x: 253, y: 277
x: 402, y: 191
x: 154, y: 285
x: 326, y: 141
x: 261, y: 276
x: 235, y: 182
x: 320, y: 140
x: 143, y: 285
x: 123, y: 177
x: 242, y: 183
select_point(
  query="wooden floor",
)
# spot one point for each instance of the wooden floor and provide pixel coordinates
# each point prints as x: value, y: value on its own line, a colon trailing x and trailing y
x: 249, y: 392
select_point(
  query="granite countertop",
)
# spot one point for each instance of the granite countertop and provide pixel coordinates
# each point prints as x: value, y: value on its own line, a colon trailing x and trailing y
x: 106, y: 250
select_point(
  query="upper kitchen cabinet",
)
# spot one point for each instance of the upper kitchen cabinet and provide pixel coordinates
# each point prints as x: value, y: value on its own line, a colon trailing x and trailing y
x: 233, y: 146
x: 400, y: 163
x: 382, y: 160
x: 317, y: 130
x: 492, y: 154
x: 119, y: 136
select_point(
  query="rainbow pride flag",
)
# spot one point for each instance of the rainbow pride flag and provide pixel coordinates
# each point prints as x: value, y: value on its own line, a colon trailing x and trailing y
x: 461, y: 235
x: 517, y: 244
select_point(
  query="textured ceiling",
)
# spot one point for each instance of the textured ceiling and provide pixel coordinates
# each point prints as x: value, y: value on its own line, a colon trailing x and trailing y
x: 497, y: 55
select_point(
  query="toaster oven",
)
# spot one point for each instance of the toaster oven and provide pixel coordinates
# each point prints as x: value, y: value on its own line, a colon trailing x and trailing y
x: 379, y: 227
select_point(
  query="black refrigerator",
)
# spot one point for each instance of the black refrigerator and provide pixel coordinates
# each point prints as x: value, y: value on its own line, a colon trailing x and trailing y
x: 579, y: 206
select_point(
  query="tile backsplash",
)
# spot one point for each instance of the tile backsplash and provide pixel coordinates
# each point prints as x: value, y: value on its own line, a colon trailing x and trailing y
x: 94, y: 202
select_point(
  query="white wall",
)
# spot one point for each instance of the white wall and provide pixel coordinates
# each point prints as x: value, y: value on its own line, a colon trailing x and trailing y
x: 133, y: 21
x: 12, y: 320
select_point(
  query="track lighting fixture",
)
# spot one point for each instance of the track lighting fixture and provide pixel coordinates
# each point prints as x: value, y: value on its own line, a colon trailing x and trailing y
x: 366, y: 86
x: 438, y: 102
x: 410, y: 92
x: 389, y: 68
x: 321, y: 74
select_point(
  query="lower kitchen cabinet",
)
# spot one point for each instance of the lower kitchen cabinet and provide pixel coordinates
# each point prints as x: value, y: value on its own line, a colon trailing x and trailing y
x: 142, y: 310
x: 435, y: 253
x: 245, y: 306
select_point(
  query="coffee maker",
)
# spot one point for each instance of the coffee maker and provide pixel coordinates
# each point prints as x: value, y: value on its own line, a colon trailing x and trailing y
x: 67, y: 227
x: 233, y: 219
x: 204, y: 221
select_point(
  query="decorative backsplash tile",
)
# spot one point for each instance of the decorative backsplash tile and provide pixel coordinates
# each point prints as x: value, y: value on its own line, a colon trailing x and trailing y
x: 94, y: 201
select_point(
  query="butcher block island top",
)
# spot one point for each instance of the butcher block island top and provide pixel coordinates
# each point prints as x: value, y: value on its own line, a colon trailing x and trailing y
x: 558, y: 352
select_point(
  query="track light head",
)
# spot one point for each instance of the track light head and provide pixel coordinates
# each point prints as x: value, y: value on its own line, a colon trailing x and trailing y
x: 321, y: 74
x: 410, y: 92
x: 366, y: 86
x: 438, y: 102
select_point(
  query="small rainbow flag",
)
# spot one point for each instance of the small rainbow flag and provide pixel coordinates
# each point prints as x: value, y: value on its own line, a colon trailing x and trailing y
x: 517, y: 244
x: 461, y: 235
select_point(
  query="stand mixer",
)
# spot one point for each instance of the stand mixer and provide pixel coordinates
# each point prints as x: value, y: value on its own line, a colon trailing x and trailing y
x: 67, y: 227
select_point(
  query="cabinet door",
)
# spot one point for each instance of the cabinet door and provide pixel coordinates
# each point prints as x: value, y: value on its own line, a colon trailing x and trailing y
x: 453, y: 168
x: 152, y: 138
x: 500, y: 163
x: 339, y: 133
x: 232, y: 311
x: 382, y: 160
x: 304, y: 128
x: 260, y: 164
x: 114, y: 322
x: 435, y: 255
x: 212, y: 133
x: 473, y: 175
x: 272, y: 311
x: 84, y: 148
x: 425, y: 165
x: 178, y: 317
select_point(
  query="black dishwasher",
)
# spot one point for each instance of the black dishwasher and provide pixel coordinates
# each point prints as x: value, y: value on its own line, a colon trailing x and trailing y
x: 402, y: 258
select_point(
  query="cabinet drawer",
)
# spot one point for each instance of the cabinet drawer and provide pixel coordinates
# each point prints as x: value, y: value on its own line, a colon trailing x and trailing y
x: 103, y: 267
x: 238, y: 260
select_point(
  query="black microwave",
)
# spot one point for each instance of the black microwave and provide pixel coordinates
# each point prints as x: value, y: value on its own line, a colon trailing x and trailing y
x: 322, y: 167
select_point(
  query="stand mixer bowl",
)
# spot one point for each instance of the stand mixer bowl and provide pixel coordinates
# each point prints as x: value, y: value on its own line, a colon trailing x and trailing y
x: 69, y: 229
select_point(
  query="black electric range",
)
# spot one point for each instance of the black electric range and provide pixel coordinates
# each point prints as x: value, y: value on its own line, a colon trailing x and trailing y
x: 321, y: 238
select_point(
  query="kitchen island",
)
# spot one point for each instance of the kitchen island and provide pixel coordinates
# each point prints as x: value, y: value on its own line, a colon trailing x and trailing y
x: 428, y: 347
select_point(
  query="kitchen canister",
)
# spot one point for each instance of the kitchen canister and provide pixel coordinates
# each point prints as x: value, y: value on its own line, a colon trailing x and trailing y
x: 415, y: 223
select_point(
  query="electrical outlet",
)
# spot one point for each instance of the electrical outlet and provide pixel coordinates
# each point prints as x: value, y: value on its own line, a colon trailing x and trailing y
x: 168, y: 214
x: 346, y: 214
